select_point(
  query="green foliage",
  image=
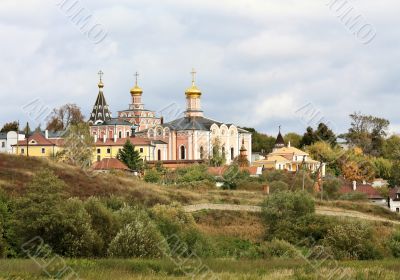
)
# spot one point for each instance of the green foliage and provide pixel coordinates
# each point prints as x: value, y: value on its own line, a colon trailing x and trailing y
x: 179, y: 230
x: 391, y: 148
x: 322, y: 134
x: 352, y: 240
x: 64, y: 225
x: 278, y: 249
x: 394, y: 244
x: 103, y: 222
x: 294, y: 139
x: 282, y: 210
x: 193, y: 173
x: 139, y: 236
x: 130, y: 156
x: 331, y: 187
x: 218, y: 157
x: 278, y: 186
x: 368, y: 133
x: 11, y: 126
x: 261, y: 142
x: 152, y: 176
x: 383, y: 167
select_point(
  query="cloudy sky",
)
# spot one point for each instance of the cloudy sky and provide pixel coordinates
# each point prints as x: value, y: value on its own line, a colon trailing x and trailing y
x: 260, y: 63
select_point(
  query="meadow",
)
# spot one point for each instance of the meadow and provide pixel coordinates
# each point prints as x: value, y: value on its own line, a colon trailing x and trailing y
x: 212, y: 269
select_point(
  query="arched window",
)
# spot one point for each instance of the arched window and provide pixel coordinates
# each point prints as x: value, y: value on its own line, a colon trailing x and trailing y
x: 183, y: 152
x: 232, y: 153
x: 159, y: 154
x: 223, y: 151
x: 201, y: 152
x: 120, y: 134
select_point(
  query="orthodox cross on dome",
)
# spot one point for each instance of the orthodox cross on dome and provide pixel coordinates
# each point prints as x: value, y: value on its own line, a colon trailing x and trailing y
x: 279, y: 128
x: 136, y: 77
x: 100, y: 75
x: 193, y: 75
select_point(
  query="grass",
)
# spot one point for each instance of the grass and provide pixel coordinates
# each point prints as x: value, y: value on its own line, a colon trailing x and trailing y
x: 221, y: 268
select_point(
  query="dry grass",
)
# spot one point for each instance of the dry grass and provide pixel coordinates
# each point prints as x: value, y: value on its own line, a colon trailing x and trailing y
x: 241, y: 225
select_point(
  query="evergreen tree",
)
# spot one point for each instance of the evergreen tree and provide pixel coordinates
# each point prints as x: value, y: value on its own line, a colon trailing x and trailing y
x: 130, y: 156
x: 27, y: 129
x: 12, y: 126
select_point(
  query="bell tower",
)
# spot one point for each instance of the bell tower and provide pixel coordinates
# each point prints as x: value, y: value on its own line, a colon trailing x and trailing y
x: 193, y: 99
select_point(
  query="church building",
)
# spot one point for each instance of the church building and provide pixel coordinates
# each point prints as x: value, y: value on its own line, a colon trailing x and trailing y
x: 193, y: 137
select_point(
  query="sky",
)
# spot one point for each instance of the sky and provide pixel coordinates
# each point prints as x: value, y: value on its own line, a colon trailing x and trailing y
x: 259, y: 63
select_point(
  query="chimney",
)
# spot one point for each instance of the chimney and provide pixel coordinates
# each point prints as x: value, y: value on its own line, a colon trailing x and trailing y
x: 354, y: 185
x: 46, y: 134
x: 95, y: 138
x: 364, y: 182
x: 289, y: 144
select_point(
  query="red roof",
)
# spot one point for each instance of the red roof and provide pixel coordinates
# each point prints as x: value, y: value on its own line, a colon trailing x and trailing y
x: 109, y: 164
x: 40, y: 140
x: 393, y: 193
x: 370, y: 191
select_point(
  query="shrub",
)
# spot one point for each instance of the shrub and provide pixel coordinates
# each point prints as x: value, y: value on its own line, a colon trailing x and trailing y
x: 331, y: 187
x: 394, y: 244
x: 351, y: 240
x: 140, y: 238
x: 278, y: 249
x: 282, y: 213
x: 103, y: 222
x: 180, y: 232
x: 152, y: 176
x: 278, y: 186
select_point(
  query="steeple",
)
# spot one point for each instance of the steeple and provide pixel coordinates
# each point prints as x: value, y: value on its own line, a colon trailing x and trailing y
x: 136, y: 93
x: 100, y: 112
x: 280, y: 142
x: 193, y: 95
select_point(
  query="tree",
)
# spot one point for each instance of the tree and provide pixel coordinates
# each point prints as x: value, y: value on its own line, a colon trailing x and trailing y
x: 383, y: 167
x: 130, y: 156
x: 78, y: 146
x: 368, y: 133
x: 27, y: 129
x: 261, y: 142
x: 308, y: 137
x: 391, y: 148
x: 324, y: 133
x: 293, y: 138
x: 218, y: 157
x: 11, y: 126
x: 323, y: 151
x: 38, y: 128
x: 66, y: 115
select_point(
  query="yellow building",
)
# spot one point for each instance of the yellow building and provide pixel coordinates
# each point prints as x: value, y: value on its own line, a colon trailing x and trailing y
x: 289, y: 158
x: 49, y: 144
x: 148, y: 150
x: 39, y: 145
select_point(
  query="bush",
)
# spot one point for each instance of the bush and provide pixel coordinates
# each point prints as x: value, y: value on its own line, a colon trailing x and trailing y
x: 103, y: 222
x: 394, y: 244
x: 331, y: 187
x: 351, y: 240
x: 139, y: 239
x: 152, y: 176
x: 179, y: 229
x: 278, y: 249
x: 278, y: 186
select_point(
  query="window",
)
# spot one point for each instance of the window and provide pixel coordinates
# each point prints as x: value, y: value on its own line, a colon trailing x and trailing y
x: 201, y: 152
x: 43, y: 150
x: 127, y: 134
x: 98, y: 158
x: 183, y: 152
x: 22, y: 151
x: 120, y: 134
x: 3, y: 144
x: 159, y: 154
x: 398, y: 210
x: 98, y: 151
x: 232, y: 153
x: 141, y: 150
x: 108, y: 151
x: 223, y: 151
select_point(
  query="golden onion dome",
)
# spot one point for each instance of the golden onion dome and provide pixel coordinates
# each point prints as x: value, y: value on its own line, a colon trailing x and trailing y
x: 100, y: 85
x: 193, y: 91
x: 136, y: 90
